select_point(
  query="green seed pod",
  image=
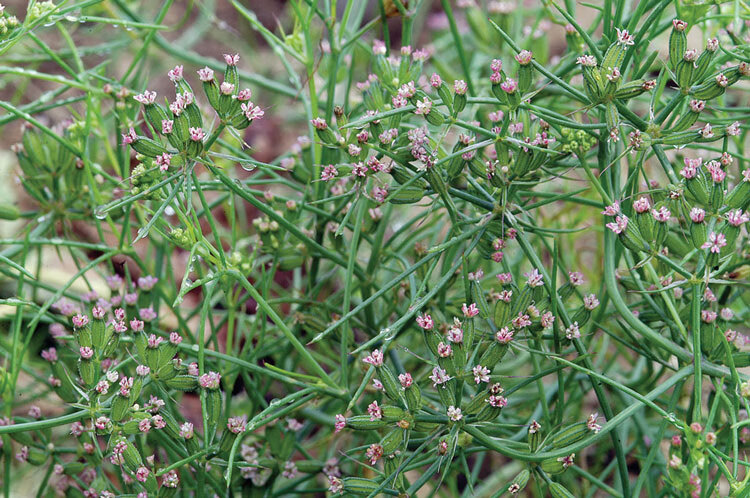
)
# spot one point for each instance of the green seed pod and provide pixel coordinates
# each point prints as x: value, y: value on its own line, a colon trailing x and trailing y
x: 631, y: 89
x: 477, y: 403
x: 393, y: 441
x: 445, y: 97
x: 155, y: 114
x: 646, y: 225
x: 180, y: 131
x: 699, y: 188
x: 687, y: 120
x: 459, y: 103
x: 569, y: 435
x: 525, y: 77
x: 359, y: 485
x: 502, y: 313
x: 593, y: 82
x: 557, y: 490
x: 612, y: 59
x: 552, y: 466
x: 493, y: 354
x: 37, y: 456
x: 413, y: 395
x: 407, y: 195
x: 213, y: 407
x: 684, y: 73
x: 148, y: 147
x: 130, y: 454
x: 613, y: 117
x: 565, y: 291
x: 9, y: 212
x: 708, y: 90
x: 679, y: 138
x: 519, y: 482
x: 677, y: 42
x: 446, y: 393
x: 739, y: 197
x: 702, y: 65
x: 85, y: 338
x: 534, y: 438
x: 87, y: 369
x: 120, y: 407
x: 391, y: 386
x: 434, y: 118
x: 211, y: 89
x: 309, y: 466
x: 363, y: 423
x: 393, y: 413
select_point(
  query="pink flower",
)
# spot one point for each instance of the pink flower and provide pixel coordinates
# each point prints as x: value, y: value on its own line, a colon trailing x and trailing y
x: 736, y: 217
x: 175, y: 74
x: 624, y: 38
x: 175, y: 338
x: 697, y: 215
x: 504, y: 335
x: 435, y: 80
x: 572, y: 332
x: 454, y: 413
x: 721, y: 80
x: 142, y: 370
x: 661, y: 215
x: 612, y: 210
x: 470, y: 311
x: 576, y: 278
x: 424, y: 106
x: 375, y: 358
x: 80, y: 321
x: 210, y: 380
x: 136, y: 325
x: 534, y: 278
x: 154, y: 341
x: 548, y: 318
x: 444, y: 350
x: 505, y: 278
x: 237, y: 425
x: 319, y: 123
x: 340, y: 423
x: 329, y: 173
x: 146, y: 98
x: 231, y: 60
x: 679, y: 25
x: 375, y: 412
x: 591, y: 423
x: 101, y: 423
x: 206, y: 74
x: 641, y: 205
x: 567, y: 461
x: 377, y: 384
x: 496, y: 66
x: 197, y: 134
x: 374, y: 453
x: 405, y: 379
x: 186, y: 430
x: 142, y: 474
x: 425, y: 321
x: 590, y: 302
x: 455, y: 333
x: 50, y: 355
x: 86, y: 352
x: 226, y: 88
x: 697, y: 105
x: 620, y: 224
x: 481, y: 374
x: 524, y: 57
x: 164, y: 161
x: 144, y: 425
x: 509, y: 85
x: 586, y: 60
x: 715, y: 242
x: 460, y: 87
x: 147, y: 314
x: 497, y: 401
x: 439, y: 377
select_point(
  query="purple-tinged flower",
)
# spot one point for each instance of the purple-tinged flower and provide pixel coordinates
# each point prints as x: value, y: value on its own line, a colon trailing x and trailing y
x: 721, y: 80
x: 590, y: 302
x: 504, y: 335
x: 497, y: 401
x: 329, y: 173
x: 736, y: 217
x: 101, y: 423
x: 496, y: 65
x: 624, y: 38
x: 164, y: 161
x: 661, y: 215
x: 470, y: 310
x: 319, y: 123
x: 206, y: 74
x: 572, y: 332
x: 481, y: 374
x: 697, y: 105
x: 130, y: 137
x: 524, y: 57
x: 226, y: 88
x: 175, y: 74
x: 715, y: 242
x: 375, y: 412
x: 146, y: 98
x: 509, y: 85
x: 454, y: 413
x: 186, y: 430
x: 641, y: 205
x: 142, y: 370
x: 374, y: 453
x: 534, y: 278
x: 340, y: 423
x: 439, y: 377
x: 378, y: 47
x: 80, y: 321
x: 231, y: 60
x: 35, y: 411
x: 375, y: 358
x: 619, y: 225
x: 196, y: 134
x: 405, y: 379
x: 210, y: 380
x: 505, y: 278
x: 102, y: 387
x: 147, y: 314
x: 435, y: 80
x: 237, y: 425
x: 144, y: 425
x: 424, y: 106
x: 50, y: 355
x: 142, y: 474
x: 708, y: 316
x: 576, y: 278
x: 244, y: 95
x: 444, y: 350
x: 460, y: 87
x: 586, y: 60
x: 679, y: 25
x: 612, y: 210
x: 548, y: 319
x: 733, y: 129
x: 425, y: 321
x: 86, y: 352
x: 175, y: 338
x: 591, y: 423
x: 567, y: 461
